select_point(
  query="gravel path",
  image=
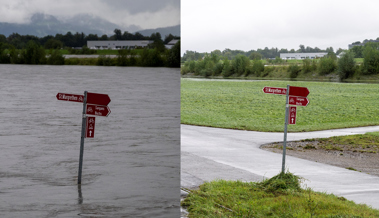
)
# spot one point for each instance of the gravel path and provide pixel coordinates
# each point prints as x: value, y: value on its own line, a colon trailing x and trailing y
x: 309, y: 150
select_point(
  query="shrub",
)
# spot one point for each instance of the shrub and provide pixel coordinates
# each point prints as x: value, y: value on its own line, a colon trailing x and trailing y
x: 267, y: 71
x: 34, y: 54
x: 105, y: 61
x: 240, y: 63
x: 227, y: 69
x: 151, y: 58
x: 217, y: 69
x: 258, y: 67
x: 122, y: 57
x: 294, y: 70
x: 346, y: 65
x: 326, y: 66
x: 173, y: 56
x: 55, y: 58
x: 370, y: 61
x: 307, y: 65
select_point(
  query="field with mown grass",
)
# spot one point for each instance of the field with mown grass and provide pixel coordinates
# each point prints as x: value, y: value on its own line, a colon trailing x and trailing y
x: 280, y: 196
x: 98, y: 52
x: 241, y: 104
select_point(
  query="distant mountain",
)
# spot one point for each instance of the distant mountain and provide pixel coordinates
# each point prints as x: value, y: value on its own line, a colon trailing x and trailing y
x: 165, y: 31
x: 42, y: 25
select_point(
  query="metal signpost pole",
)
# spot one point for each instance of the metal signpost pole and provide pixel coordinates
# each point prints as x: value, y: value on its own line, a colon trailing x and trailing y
x: 84, y: 119
x: 285, y: 130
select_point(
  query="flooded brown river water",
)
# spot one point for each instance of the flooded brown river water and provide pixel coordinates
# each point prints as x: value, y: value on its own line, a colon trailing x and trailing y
x: 131, y: 167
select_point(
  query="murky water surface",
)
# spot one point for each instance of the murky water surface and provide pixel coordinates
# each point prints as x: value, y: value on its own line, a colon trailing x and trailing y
x: 131, y: 168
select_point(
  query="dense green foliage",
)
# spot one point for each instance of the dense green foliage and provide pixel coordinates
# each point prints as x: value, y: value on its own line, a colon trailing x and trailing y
x: 243, y: 105
x: 265, y: 53
x: 294, y: 70
x: 80, y: 39
x: 237, y: 64
x: 19, y: 49
x: 346, y: 65
x: 280, y: 196
x: 36, y: 54
x: 326, y: 65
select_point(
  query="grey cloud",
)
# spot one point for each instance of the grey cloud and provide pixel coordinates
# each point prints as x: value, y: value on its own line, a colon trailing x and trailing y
x: 135, y: 7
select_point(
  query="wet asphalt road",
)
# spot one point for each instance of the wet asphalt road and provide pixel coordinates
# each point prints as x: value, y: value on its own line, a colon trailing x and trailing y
x: 211, y: 153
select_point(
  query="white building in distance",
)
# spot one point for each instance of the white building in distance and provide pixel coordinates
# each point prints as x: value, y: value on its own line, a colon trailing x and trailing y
x: 122, y: 44
x: 285, y: 56
x: 171, y: 43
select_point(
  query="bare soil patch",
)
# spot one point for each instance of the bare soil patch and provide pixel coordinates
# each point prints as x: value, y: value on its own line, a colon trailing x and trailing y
x: 339, y: 155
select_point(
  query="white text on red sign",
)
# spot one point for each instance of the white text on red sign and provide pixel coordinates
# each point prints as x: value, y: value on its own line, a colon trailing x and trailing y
x: 98, y: 110
x: 292, y: 116
x: 299, y: 101
x: 273, y: 90
x: 90, y: 127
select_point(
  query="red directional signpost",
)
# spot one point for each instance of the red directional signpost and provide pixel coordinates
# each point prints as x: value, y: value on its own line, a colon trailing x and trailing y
x: 98, y: 110
x: 272, y: 90
x: 299, y: 91
x: 299, y: 101
x: 90, y: 127
x: 70, y: 97
x: 99, y: 99
x: 294, y: 96
x: 93, y: 104
x: 292, y: 116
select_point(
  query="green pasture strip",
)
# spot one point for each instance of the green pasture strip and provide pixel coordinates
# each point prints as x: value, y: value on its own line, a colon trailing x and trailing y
x: 107, y: 52
x: 368, y: 142
x: 280, y: 196
x: 243, y: 105
x: 115, y: 52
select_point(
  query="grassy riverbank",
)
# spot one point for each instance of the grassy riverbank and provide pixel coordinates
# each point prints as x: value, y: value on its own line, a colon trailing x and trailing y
x: 280, y: 196
x: 243, y: 105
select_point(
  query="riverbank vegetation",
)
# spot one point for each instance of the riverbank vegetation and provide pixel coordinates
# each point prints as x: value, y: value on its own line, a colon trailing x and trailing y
x: 242, y: 105
x: 18, y: 49
x: 280, y: 196
x: 36, y: 54
x: 348, y: 66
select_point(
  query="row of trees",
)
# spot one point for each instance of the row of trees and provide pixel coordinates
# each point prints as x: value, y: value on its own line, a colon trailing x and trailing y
x: 36, y: 54
x: 265, y: 53
x: 346, y: 66
x: 78, y: 39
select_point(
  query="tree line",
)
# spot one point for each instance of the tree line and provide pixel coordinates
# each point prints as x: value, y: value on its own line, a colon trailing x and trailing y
x: 78, y: 39
x: 265, y: 53
x: 33, y: 53
x: 216, y: 64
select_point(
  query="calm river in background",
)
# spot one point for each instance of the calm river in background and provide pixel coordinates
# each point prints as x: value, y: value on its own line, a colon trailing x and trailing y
x: 130, y: 169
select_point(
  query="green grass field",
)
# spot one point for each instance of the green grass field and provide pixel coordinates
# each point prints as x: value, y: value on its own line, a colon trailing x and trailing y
x: 280, y: 196
x: 243, y: 105
x: 99, y: 52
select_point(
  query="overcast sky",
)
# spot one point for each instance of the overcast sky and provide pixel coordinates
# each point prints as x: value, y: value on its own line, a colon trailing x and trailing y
x: 252, y: 24
x: 147, y: 14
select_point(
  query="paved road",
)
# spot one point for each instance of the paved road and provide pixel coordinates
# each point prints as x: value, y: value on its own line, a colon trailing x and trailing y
x: 211, y: 153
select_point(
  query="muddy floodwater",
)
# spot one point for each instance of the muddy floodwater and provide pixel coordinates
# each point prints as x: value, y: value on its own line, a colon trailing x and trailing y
x: 131, y: 167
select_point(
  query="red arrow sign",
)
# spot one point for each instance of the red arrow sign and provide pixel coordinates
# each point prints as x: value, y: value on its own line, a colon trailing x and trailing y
x: 300, y: 101
x: 299, y: 91
x: 99, y: 99
x: 98, y: 110
x: 292, y: 116
x: 273, y: 90
x: 70, y: 97
x: 90, y: 127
